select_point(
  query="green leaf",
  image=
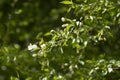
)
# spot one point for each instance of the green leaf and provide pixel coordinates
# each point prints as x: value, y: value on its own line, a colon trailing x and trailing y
x: 13, y: 78
x: 76, y: 45
x: 69, y: 10
x: 47, y: 34
x: 66, y: 2
x: 61, y: 49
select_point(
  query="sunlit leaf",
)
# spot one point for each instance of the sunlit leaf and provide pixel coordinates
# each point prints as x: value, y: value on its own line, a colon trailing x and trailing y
x: 66, y: 2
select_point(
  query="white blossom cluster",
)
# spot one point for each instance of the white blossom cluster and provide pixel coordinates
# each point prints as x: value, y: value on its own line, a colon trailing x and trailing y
x: 32, y: 47
x: 78, y: 23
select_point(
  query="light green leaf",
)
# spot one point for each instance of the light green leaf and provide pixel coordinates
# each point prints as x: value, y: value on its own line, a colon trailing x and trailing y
x: 61, y: 49
x: 47, y: 34
x: 66, y: 2
x: 69, y: 10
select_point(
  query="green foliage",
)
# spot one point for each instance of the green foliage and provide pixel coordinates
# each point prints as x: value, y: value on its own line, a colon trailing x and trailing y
x: 85, y: 47
x: 21, y: 21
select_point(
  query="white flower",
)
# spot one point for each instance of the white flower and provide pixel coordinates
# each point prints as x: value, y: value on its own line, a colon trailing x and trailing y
x: 118, y: 15
x: 41, y: 53
x: 76, y: 66
x: 91, y: 71
x: 60, y: 77
x: 77, y: 23
x: 45, y: 78
x: 63, y: 19
x: 110, y: 70
x: 73, y: 41
x: 31, y: 47
x: 34, y: 55
x: 14, y: 58
x: 80, y: 23
x: 85, y: 43
x: 43, y: 46
x: 91, y: 17
x: 52, y: 31
x: 108, y: 27
x: 64, y: 25
x: 74, y: 19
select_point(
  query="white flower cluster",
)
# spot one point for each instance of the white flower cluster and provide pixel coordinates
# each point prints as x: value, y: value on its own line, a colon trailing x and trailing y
x: 64, y: 25
x: 43, y: 46
x: 32, y: 47
x: 78, y: 23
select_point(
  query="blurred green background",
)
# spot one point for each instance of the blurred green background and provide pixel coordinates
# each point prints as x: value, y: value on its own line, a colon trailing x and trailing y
x: 22, y: 20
